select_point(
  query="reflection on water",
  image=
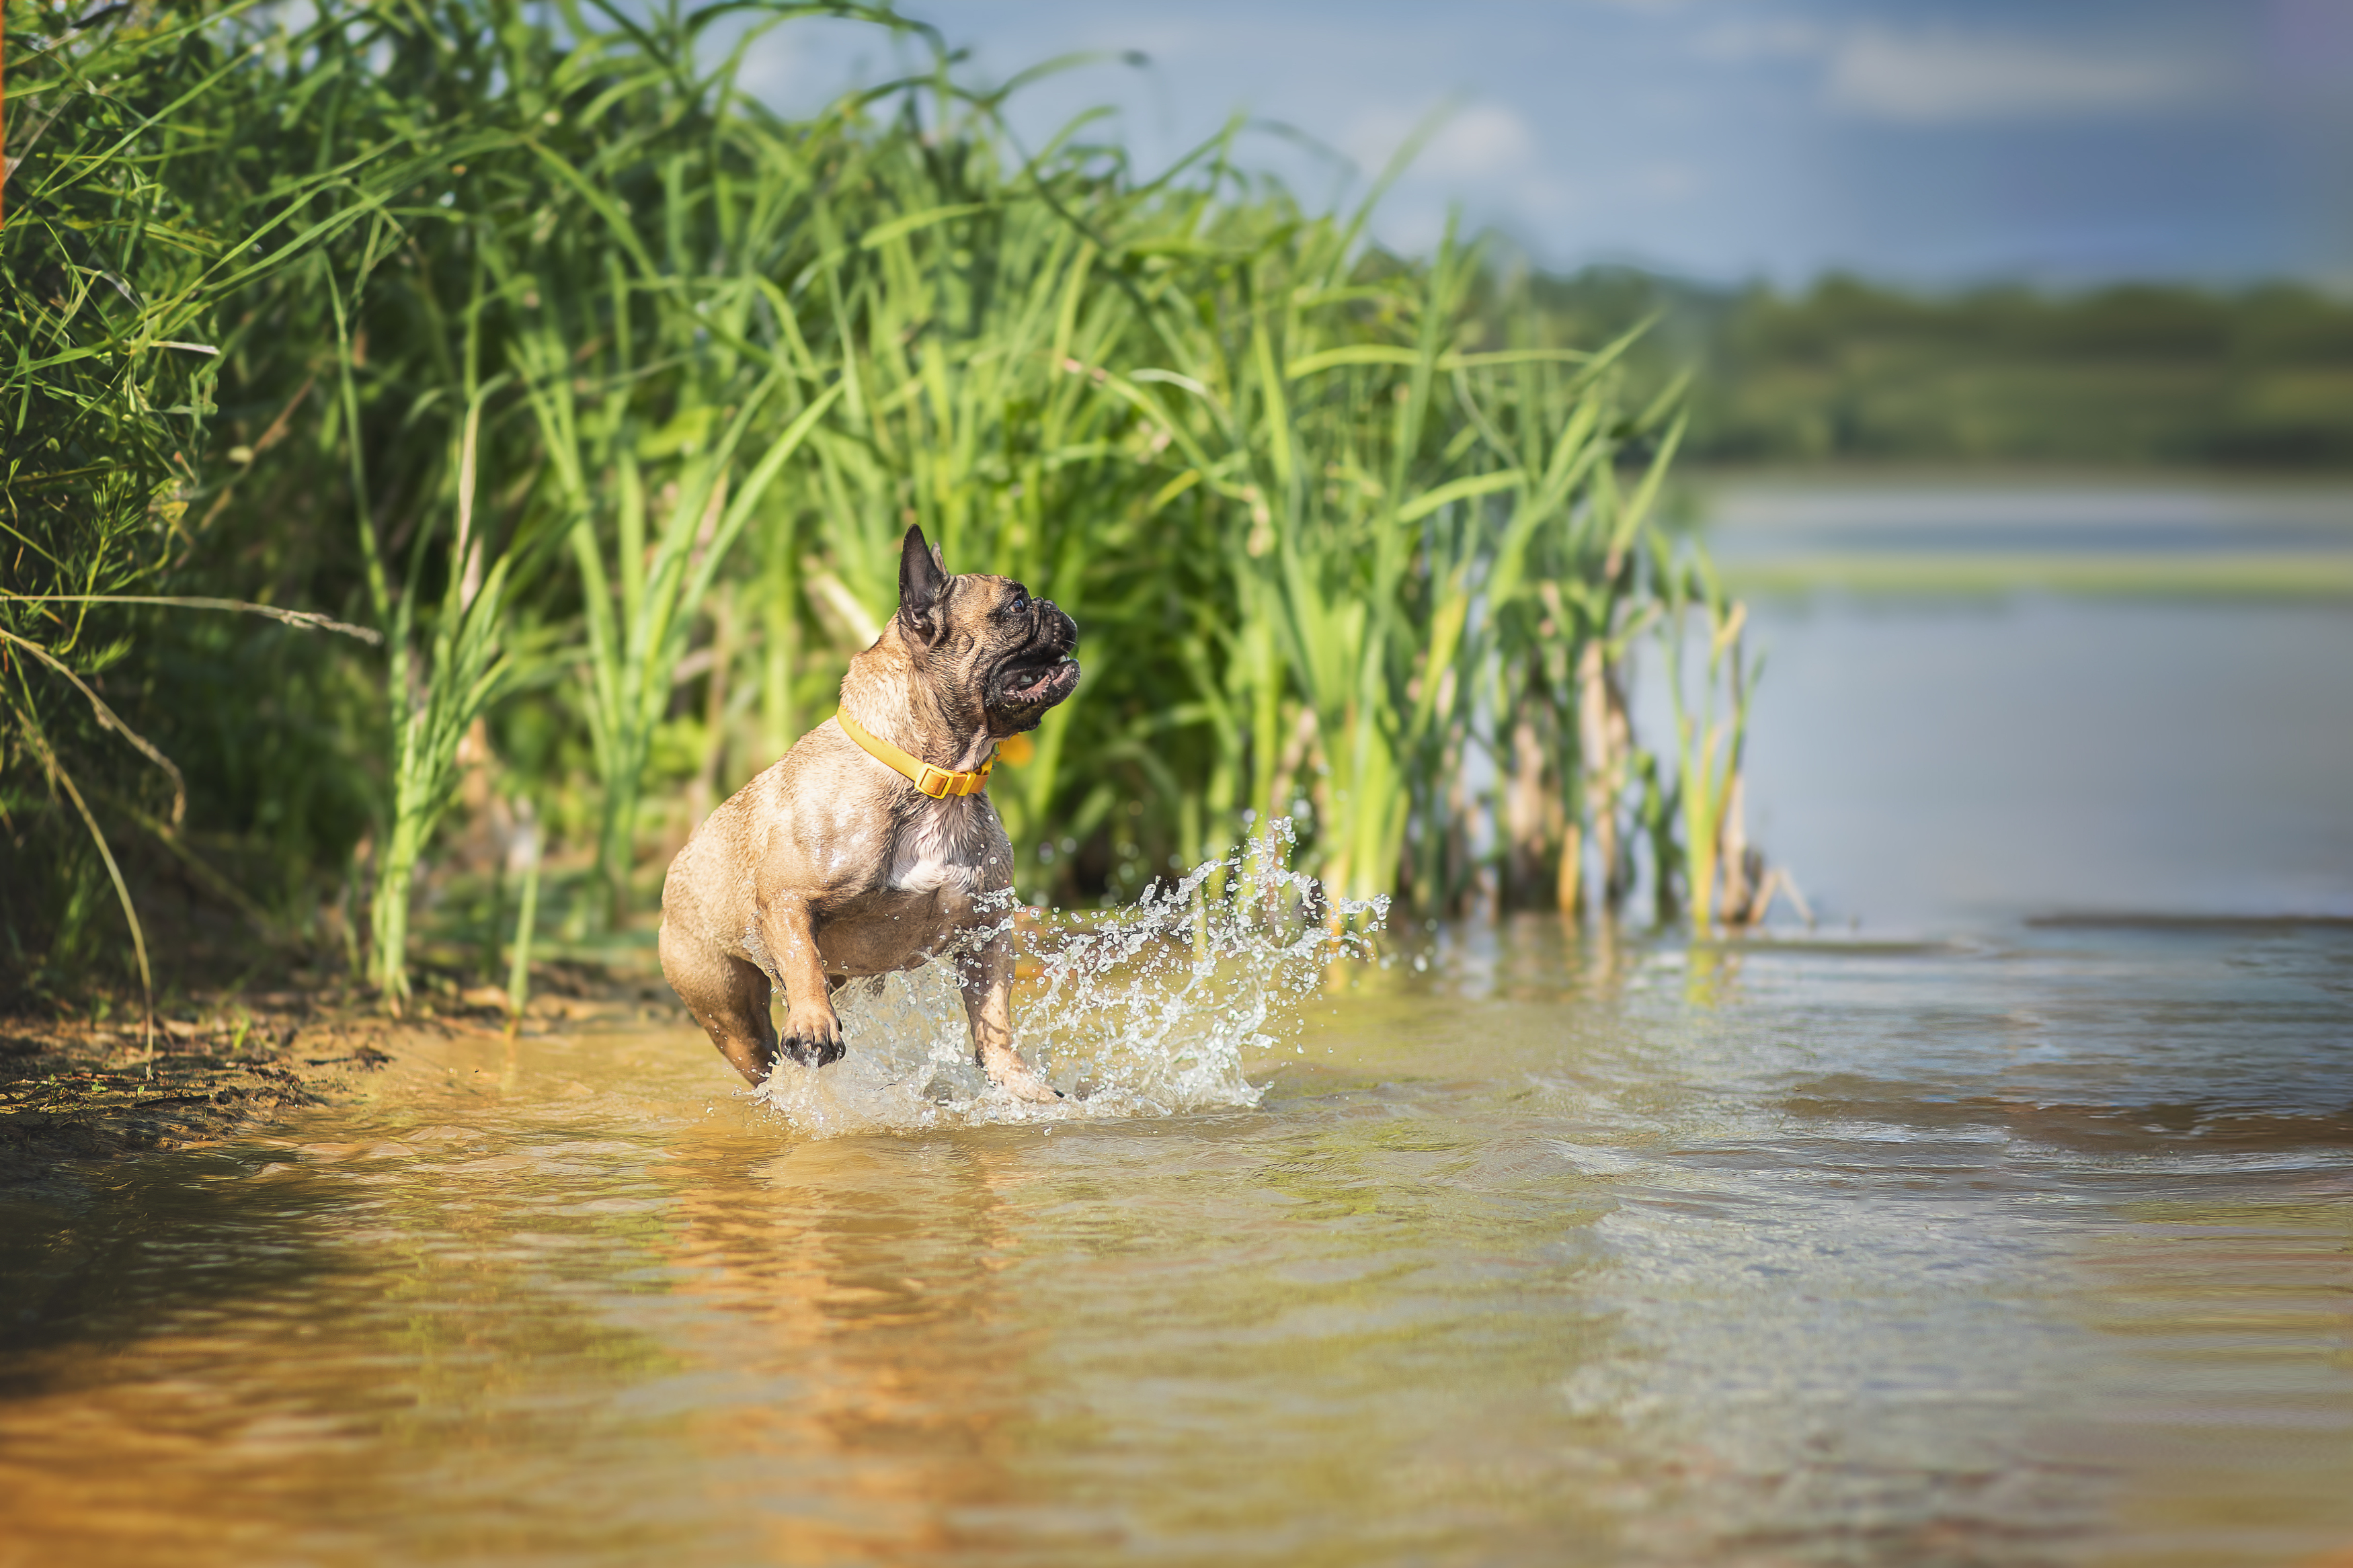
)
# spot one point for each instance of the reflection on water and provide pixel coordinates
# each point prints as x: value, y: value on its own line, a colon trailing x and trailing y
x: 2011, y: 1244
x: 2018, y: 1252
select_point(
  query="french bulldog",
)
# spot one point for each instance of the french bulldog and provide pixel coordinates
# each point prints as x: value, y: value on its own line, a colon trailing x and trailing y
x: 872, y: 847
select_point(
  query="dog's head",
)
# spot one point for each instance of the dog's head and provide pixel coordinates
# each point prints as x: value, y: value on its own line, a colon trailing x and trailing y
x: 983, y: 639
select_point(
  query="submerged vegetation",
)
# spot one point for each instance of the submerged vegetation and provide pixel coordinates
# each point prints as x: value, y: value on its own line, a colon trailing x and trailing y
x: 569, y: 404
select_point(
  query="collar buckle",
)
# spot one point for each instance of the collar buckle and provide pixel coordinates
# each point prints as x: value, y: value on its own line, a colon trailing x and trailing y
x: 936, y: 781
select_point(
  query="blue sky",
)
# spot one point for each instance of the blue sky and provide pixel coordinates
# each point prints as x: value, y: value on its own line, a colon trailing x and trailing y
x: 1936, y: 143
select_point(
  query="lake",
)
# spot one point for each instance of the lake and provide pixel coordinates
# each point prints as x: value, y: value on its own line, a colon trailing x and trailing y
x: 2005, y: 1217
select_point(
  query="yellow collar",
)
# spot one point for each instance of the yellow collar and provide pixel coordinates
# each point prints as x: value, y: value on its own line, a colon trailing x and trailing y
x: 938, y: 782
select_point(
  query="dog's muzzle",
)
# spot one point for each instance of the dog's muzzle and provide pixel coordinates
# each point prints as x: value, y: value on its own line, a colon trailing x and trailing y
x: 1043, y: 673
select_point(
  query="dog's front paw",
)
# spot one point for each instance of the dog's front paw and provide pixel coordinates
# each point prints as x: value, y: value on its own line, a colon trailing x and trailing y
x: 812, y: 1036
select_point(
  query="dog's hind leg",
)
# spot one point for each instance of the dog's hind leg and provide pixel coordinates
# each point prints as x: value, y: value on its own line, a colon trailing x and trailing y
x: 728, y: 996
x: 985, y: 977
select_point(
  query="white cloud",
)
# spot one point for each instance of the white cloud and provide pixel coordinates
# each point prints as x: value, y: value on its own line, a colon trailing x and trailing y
x: 804, y: 66
x: 1485, y: 164
x: 1667, y: 181
x: 1484, y: 141
x: 1942, y: 77
x: 1767, y: 38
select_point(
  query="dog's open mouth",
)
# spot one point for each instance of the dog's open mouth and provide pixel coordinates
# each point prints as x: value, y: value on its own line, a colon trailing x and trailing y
x: 1037, y: 682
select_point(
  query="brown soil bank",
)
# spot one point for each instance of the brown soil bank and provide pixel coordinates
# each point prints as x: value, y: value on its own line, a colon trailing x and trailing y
x: 73, y: 1089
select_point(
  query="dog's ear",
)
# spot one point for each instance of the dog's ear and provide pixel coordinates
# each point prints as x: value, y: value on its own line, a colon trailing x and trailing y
x: 922, y: 582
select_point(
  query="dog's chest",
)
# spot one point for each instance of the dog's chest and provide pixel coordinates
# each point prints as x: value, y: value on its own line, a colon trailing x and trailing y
x: 946, y: 846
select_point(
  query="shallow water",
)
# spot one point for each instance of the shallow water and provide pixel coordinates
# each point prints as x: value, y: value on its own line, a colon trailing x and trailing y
x: 2028, y: 1252
x: 2013, y: 1244
x: 1932, y: 767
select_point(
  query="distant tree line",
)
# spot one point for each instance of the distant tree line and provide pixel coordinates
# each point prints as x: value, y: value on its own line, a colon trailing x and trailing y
x: 2135, y: 374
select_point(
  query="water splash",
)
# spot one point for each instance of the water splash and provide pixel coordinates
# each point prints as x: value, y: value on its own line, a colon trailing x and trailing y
x: 1144, y: 1010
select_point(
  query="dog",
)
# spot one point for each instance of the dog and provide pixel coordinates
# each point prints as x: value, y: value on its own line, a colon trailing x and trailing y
x: 872, y: 847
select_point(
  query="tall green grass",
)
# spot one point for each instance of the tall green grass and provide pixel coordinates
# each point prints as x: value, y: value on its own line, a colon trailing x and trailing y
x: 601, y: 396
x: 104, y: 402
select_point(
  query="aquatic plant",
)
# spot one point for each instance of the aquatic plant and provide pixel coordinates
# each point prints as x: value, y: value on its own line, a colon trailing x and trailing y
x: 1727, y: 881
x: 600, y: 394
x: 974, y: 322
x: 107, y: 384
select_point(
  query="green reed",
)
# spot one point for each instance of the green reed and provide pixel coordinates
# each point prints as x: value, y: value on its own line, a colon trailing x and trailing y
x: 1406, y: 519
x: 1727, y: 882
x: 105, y: 388
x: 978, y: 329
x: 524, y: 320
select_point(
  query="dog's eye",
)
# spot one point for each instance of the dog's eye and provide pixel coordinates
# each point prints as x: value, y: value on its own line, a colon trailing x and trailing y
x: 1017, y: 604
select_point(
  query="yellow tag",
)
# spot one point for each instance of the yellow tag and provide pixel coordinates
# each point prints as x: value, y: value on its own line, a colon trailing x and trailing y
x: 1015, y: 750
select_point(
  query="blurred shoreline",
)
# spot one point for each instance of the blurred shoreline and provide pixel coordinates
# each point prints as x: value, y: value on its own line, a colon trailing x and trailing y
x: 2148, y: 376
x: 1945, y: 530
x: 1703, y: 476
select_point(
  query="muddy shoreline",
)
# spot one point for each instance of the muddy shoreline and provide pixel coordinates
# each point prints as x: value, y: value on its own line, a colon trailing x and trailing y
x: 74, y: 1089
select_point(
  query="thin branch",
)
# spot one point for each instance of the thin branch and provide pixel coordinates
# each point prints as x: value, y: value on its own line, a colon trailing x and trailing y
x: 201, y: 869
x: 121, y: 890
x: 109, y: 720
x: 309, y: 620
